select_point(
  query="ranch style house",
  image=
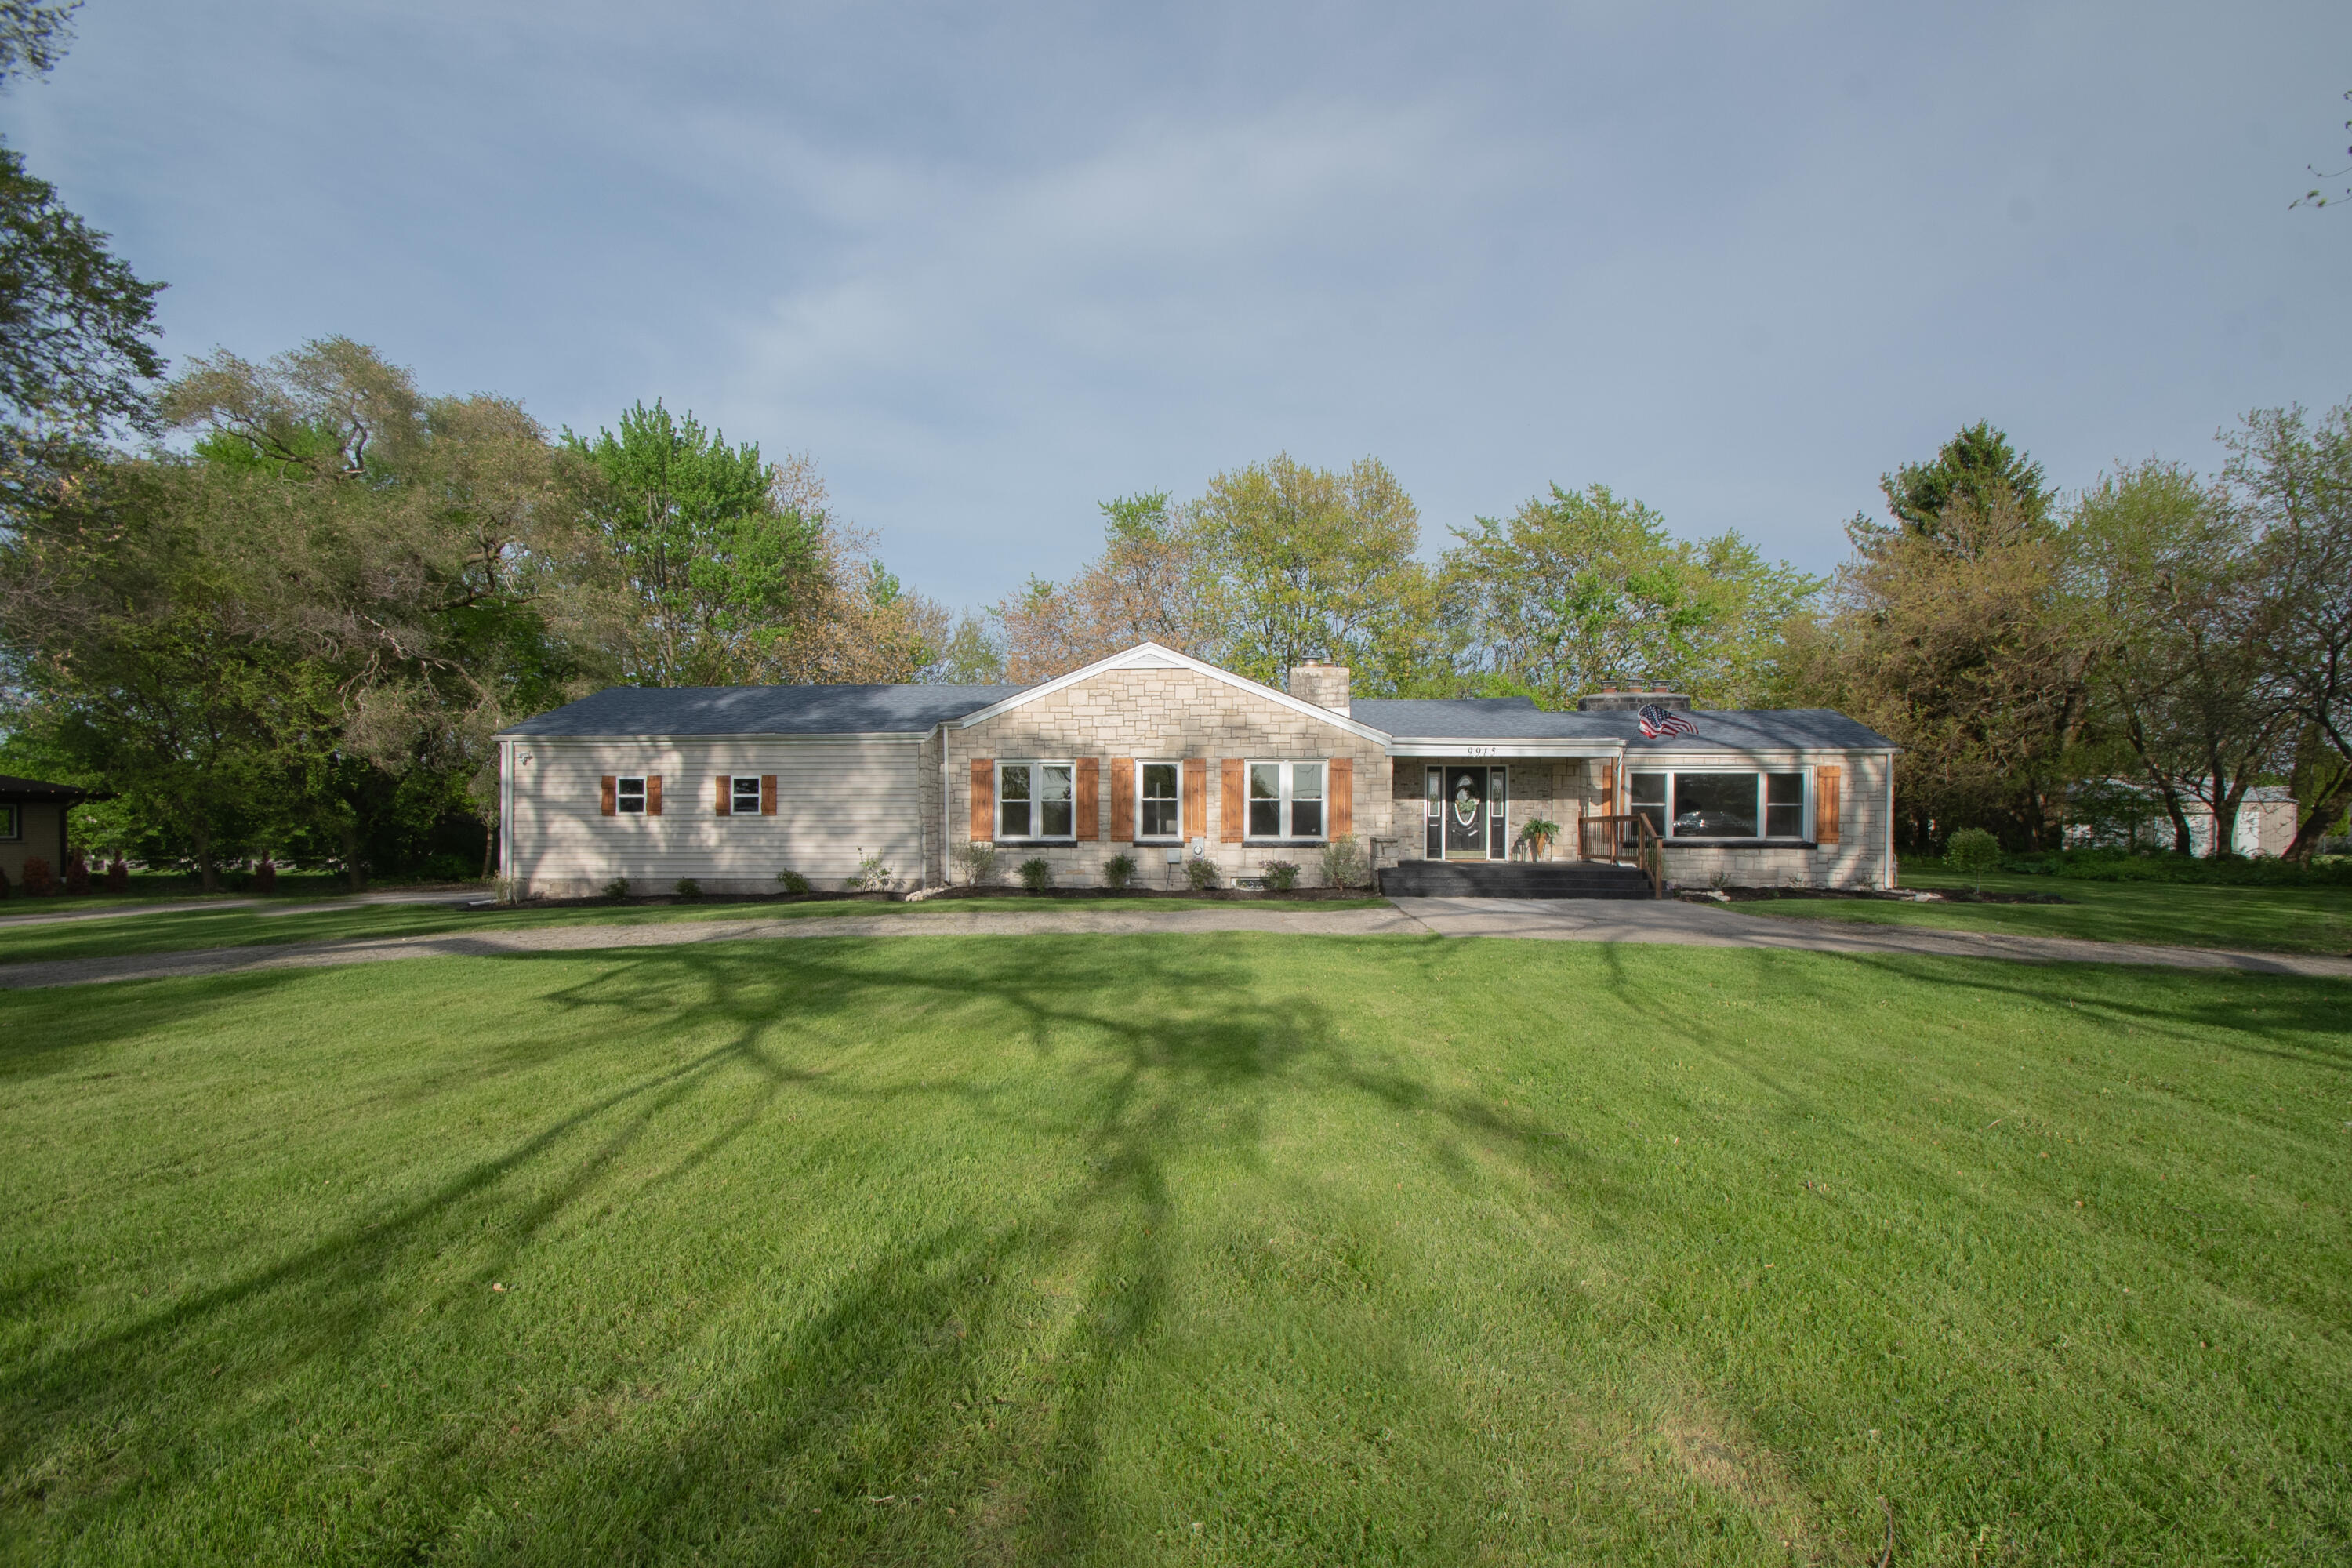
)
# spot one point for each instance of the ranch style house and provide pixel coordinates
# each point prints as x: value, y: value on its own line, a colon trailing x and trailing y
x: 1158, y: 755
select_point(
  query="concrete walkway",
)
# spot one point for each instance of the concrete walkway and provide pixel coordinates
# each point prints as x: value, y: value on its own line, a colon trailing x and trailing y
x: 266, y: 907
x: 1567, y: 920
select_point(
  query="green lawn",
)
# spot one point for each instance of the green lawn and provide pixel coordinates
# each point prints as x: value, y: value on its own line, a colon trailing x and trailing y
x: 1226, y: 1248
x: 192, y: 930
x: 178, y: 888
x: 2267, y: 920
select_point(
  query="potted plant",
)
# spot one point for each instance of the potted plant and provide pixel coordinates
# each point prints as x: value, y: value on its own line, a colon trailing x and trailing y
x: 1537, y: 832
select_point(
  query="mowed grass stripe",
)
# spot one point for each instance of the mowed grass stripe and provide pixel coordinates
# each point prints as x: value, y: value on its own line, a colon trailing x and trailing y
x: 1218, y: 1248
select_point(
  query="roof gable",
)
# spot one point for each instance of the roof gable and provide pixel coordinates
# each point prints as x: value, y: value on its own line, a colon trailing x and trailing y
x: 1154, y: 656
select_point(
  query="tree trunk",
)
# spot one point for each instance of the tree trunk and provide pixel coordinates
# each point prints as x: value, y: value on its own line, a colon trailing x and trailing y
x: 354, y: 871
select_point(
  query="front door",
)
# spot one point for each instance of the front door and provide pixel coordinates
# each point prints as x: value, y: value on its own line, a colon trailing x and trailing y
x: 1466, y: 813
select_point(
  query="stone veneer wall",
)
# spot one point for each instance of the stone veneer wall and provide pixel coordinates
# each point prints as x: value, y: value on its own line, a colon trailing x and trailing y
x: 1565, y: 792
x: 1159, y: 715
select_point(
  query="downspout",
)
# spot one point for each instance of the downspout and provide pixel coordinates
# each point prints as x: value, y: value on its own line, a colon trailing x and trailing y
x: 945, y: 874
x: 505, y: 808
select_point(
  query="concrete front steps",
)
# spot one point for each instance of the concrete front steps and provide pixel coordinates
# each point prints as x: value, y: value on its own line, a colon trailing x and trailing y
x: 1490, y: 880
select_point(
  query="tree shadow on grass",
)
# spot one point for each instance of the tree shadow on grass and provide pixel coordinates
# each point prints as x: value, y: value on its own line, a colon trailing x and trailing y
x: 1174, y: 1030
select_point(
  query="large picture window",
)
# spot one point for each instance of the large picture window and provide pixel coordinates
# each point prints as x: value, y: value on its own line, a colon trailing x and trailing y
x: 1155, y: 788
x: 1037, y: 800
x: 1285, y: 800
x: 1709, y: 804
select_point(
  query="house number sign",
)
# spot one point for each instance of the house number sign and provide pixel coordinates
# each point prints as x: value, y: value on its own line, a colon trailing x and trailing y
x: 1480, y: 751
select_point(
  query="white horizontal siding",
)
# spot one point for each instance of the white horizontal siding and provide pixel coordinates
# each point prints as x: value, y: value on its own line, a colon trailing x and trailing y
x: 834, y: 801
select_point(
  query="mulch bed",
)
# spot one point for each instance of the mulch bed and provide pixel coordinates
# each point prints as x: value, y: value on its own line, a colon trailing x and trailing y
x: 1938, y: 896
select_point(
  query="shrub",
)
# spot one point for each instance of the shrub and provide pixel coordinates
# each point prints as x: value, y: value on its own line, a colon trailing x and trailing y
x: 38, y: 881
x: 1343, y: 863
x: 618, y: 888
x: 1118, y: 872
x: 979, y: 863
x: 1281, y: 876
x: 791, y: 881
x: 76, y: 874
x: 1972, y: 852
x: 2163, y: 866
x: 4, y: 885
x: 1036, y: 875
x: 871, y: 876
x: 689, y: 889
x: 446, y: 868
x: 265, y: 876
x: 118, y: 877
x: 1200, y: 873
x: 507, y: 889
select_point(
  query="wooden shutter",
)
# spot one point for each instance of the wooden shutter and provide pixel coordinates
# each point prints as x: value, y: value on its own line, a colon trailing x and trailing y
x: 767, y: 794
x: 609, y: 802
x: 653, y: 794
x: 1231, y: 808
x: 1196, y: 797
x: 725, y: 783
x: 983, y: 800
x: 1339, y: 788
x: 1089, y: 823
x: 1122, y: 800
x: 1609, y: 789
x: 1826, y: 791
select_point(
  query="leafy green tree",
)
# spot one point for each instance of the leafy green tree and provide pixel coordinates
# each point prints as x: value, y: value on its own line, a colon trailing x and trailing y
x: 2177, y: 601
x: 1579, y: 590
x: 1977, y: 470
x: 1305, y: 562
x: 972, y: 655
x: 717, y: 566
x: 2289, y: 480
x: 76, y: 323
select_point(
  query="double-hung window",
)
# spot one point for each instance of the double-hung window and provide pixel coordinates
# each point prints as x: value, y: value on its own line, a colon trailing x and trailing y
x: 1285, y: 800
x: 12, y: 826
x: 1156, y: 801
x: 629, y: 796
x: 743, y: 795
x: 1710, y: 805
x: 1037, y: 800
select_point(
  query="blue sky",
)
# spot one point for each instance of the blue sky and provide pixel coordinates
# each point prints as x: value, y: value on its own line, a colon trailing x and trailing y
x: 990, y: 264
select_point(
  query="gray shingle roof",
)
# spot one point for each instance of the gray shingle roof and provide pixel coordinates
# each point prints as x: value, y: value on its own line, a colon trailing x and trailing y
x: 762, y: 711
x: 13, y: 788
x: 1519, y: 719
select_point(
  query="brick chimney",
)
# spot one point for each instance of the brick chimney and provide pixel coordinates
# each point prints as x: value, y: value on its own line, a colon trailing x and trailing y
x: 1324, y: 684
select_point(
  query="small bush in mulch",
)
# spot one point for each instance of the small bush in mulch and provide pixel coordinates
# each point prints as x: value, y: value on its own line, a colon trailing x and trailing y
x: 38, y: 880
x: 1941, y: 896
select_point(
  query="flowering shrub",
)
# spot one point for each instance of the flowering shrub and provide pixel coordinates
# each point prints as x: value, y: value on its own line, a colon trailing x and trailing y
x: 871, y: 876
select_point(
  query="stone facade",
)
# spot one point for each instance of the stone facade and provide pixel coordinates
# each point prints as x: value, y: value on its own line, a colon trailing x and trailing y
x: 1163, y: 715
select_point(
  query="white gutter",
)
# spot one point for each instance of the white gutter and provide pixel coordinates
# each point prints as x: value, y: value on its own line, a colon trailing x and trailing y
x: 505, y: 808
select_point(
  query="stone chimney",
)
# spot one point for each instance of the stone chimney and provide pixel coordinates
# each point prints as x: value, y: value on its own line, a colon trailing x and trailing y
x: 1324, y: 684
x: 1626, y: 699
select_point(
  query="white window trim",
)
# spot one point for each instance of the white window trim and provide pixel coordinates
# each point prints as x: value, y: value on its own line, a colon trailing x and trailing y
x: 1177, y: 764
x: 1285, y: 765
x: 1005, y: 762
x: 620, y: 793
x: 12, y: 832
x: 734, y: 796
x: 1804, y: 833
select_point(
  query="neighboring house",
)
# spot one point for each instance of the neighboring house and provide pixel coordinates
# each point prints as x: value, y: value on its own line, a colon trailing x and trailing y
x: 33, y: 824
x: 1159, y: 755
x: 2267, y: 819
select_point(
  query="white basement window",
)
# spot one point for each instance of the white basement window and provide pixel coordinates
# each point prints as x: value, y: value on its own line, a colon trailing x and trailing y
x: 1037, y: 800
x: 1285, y: 800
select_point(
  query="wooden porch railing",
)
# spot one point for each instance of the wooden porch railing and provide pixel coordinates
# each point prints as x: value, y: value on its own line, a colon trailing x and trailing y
x: 1611, y: 838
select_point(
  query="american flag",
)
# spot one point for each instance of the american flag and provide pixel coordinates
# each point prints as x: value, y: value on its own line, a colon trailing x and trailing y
x: 1657, y: 721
